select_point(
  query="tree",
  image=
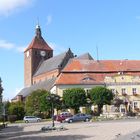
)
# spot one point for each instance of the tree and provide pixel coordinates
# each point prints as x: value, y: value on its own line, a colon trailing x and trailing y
x: 101, y: 96
x: 1, y: 90
x: 74, y: 98
x: 36, y: 102
x: 17, y: 109
x: 46, y: 105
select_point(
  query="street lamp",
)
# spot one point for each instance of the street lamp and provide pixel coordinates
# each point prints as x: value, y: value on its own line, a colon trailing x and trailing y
x: 4, y: 113
x: 89, y: 103
x: 52, y: 98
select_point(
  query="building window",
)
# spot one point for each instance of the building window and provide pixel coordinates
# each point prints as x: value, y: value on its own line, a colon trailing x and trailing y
x: 124, y: 91
x: 36, y: 53
x: 134, y: 90
x: 135, y: 104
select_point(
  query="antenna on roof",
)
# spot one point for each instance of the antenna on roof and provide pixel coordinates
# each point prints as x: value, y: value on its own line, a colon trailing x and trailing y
x: 97, y: 52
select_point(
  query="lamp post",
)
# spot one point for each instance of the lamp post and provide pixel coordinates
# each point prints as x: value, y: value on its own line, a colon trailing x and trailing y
x: 52, y: 98
x: 4, y: 114
x: 88, y: 105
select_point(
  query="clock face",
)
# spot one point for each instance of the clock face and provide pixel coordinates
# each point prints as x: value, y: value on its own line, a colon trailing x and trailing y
x: 42, y: 53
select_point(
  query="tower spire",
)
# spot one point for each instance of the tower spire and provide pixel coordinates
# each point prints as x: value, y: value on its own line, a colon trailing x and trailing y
x: 38, y: 31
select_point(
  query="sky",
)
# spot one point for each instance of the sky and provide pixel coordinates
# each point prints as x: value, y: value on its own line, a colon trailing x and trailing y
x: 112, y: 26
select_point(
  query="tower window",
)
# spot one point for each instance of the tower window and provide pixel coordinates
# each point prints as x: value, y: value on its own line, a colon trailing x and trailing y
x: 36, y: 53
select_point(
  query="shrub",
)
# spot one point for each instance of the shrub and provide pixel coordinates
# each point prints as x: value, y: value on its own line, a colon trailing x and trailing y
x: 12, y: 118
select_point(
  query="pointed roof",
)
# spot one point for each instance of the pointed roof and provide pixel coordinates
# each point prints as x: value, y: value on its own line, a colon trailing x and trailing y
x: 38, y: 42
x: 53, y: 63
x: 85, y: 56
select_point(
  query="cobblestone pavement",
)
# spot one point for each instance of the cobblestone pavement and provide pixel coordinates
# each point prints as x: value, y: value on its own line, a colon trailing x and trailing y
x: 107, y: 130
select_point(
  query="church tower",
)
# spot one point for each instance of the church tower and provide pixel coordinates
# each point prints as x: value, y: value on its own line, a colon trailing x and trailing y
x: 34, y: 55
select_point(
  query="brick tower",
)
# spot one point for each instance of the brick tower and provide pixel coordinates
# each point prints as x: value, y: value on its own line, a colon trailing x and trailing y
x: 34, y: 55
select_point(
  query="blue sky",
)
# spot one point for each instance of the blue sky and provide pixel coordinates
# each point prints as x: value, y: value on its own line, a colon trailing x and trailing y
x: 112, y: 25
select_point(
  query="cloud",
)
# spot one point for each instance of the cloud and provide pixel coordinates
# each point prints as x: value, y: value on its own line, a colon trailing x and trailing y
x: 11, y: 46
x: 6, y: 45
x: 9, y: 6
x: 49, y: 19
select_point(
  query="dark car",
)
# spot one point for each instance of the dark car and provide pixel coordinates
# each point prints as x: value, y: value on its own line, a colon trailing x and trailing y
x: 79, y: 117
x: 62, y: 116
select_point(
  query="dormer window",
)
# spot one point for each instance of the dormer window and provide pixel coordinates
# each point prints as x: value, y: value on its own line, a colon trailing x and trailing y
x: 87, y: 79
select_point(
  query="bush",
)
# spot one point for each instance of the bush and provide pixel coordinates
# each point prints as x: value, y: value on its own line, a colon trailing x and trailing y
x: 12, y: 118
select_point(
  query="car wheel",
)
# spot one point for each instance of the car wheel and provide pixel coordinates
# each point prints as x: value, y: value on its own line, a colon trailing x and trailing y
x: 87, y: 119
x: 38, y: 120
x: 70, y: 121
x: 26, y: 121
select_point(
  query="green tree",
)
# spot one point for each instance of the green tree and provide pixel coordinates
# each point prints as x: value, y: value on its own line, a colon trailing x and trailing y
x: 74, y: 98
x: 17, y: 109
x: 36, y: 102
x: 101, y: 96
x: 46, y: 105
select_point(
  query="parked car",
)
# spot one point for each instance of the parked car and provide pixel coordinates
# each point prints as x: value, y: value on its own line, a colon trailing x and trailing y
x: 78, y: 117
x: 62, y: 116
x: 28, y: 119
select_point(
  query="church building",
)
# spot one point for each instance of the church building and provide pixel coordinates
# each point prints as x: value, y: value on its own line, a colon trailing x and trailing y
x: 42, y: 70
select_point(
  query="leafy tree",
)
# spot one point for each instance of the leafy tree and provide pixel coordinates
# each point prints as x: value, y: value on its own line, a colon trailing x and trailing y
x: 17, y: 109
x: 74, y: 98
x: 36, y: 103
x: 1, y: 90
x: 101, y: 96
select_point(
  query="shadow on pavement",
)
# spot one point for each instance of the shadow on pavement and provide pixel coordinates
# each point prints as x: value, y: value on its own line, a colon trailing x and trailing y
x: 17, y: 133
x: 64, y: 137
x: 14, y: 132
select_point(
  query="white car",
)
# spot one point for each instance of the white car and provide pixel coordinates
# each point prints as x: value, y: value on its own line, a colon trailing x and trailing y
x: 28, y: 119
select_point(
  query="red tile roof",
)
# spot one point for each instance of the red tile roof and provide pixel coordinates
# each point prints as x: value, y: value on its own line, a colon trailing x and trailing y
x: 38, y: 43
x: 102, y: 65
x: 93, y: 72
x: 80, y: 78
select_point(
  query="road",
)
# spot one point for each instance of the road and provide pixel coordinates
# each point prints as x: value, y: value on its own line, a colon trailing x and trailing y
x: 107, y: 130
